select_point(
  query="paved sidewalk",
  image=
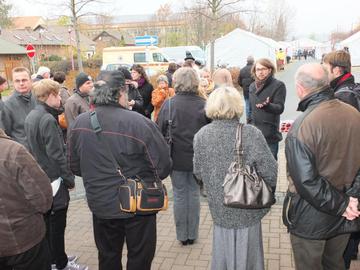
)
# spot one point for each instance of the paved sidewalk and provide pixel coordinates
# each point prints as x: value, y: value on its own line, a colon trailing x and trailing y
x: 170, y: 255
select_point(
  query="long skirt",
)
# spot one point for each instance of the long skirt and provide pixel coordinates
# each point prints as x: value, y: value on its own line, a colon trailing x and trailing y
x: 237, y: 249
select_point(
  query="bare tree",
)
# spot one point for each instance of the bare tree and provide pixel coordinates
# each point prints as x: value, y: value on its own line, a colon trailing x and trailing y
x: 275, y: 21
x: 77, y: 10
x: 216, y: 11
x: 5, y: 20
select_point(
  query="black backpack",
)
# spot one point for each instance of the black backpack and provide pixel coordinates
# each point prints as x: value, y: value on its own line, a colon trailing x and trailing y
x: 354, y: 89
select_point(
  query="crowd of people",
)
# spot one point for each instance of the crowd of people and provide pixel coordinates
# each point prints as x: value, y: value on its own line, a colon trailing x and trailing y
x: 185, y: 128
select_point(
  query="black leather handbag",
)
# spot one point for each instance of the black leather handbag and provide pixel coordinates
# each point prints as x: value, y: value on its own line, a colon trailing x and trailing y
x: 243, y: 187
x: 135, y: 195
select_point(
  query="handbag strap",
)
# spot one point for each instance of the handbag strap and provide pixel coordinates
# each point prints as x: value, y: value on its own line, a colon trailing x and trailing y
x: 170, y: 121
x: 94, y: 121
x: 239, y: 154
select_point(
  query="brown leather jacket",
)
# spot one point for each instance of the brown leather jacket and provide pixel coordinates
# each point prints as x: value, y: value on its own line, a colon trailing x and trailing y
x: 323, y: 160
x: 25, y: 195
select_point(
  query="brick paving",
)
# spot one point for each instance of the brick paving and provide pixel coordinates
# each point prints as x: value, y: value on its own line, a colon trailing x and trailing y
x: 170, y: 255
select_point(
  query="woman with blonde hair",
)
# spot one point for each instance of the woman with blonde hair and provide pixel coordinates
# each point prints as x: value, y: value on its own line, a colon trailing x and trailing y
x: 237, y: 236
x: 203, y: 86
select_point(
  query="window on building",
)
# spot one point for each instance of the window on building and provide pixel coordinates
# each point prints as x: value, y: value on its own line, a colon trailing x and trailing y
x: 139, y: 57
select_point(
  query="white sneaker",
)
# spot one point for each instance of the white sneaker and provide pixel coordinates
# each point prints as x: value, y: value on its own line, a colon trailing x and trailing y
x: 74, y: 266
x: 71, y: 258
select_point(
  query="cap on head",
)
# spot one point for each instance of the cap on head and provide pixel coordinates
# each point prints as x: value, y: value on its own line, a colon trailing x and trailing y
x: 81, y: 79
x: 189, y: 56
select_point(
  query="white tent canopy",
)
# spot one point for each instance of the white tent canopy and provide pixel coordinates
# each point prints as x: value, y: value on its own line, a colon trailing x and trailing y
x: 233, y: 48
x: 306, y: 43
x: 353, y: 43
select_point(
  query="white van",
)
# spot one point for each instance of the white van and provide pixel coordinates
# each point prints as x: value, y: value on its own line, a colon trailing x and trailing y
x: 147, y: 56
x: 179, y: 53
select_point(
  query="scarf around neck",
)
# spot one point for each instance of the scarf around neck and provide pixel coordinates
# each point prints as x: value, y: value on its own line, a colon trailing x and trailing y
x: 259, y: 84
x: 141, y: 81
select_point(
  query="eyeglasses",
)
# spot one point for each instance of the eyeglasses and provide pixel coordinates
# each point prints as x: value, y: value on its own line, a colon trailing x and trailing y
x: 21, y: 81
x: 261, y: 69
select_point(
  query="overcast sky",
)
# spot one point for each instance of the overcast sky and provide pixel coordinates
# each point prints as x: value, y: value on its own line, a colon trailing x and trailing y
x: 318, y: 17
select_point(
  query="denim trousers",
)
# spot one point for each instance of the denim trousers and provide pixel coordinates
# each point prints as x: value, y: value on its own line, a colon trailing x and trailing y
x: 247, y: 108
x: 186, y: 205
x: 274, y: 148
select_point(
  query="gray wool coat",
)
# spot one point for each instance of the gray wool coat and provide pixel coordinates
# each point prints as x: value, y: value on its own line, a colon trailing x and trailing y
x: 213, y: 153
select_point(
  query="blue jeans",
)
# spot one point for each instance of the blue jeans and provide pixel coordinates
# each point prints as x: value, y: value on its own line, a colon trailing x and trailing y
x: 274, y: 148
x: 186, y: 205
x: 247, y: 108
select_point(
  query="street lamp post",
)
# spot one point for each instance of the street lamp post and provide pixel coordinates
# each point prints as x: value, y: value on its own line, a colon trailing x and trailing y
x: 71, y: 49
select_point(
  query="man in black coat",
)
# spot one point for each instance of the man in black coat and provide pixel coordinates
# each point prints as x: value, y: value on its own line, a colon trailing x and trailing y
x: 138, y: 149
x: 267, y: 98
x: 18, y: 106
x: 244, y: 80
x: 338, y: 65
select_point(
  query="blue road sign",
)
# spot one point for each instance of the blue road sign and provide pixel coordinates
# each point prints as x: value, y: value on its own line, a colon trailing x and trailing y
x: 146, y: 40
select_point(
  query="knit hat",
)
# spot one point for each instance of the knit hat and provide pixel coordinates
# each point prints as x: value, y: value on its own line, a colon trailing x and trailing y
x: 81, y: 79
x: 189, y: 56
x: 162, y: 78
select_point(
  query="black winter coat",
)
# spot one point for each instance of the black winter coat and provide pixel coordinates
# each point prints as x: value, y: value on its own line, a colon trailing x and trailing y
x: 135, y: 142
x: 344, y: 82
x: 134, y: 94
x: 245, y: 79
x: 267, y: 119
x: 146, y: 91
x: 188, y: 117
x: 13, y: 115
x: 46, y: 143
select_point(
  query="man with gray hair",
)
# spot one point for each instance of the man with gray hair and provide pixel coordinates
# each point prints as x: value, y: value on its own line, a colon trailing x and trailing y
x: 138, y: 147
x: 323, y: 161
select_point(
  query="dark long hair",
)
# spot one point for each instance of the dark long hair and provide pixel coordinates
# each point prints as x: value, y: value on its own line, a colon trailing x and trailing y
x: 140, y: 69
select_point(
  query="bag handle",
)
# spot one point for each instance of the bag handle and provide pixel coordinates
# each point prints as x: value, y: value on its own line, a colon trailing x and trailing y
x: 170, y: 122
x: 239, y: 152
x: 95, y: 124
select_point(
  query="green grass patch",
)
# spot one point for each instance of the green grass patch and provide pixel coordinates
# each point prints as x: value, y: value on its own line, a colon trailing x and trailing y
x: 6, y: 92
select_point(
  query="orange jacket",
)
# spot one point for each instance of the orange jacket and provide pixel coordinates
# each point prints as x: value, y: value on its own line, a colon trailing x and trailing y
x: 158, y: 97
